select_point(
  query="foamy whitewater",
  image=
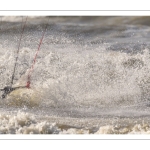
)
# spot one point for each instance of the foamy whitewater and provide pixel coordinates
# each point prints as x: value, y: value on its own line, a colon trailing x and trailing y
x: 92, y: 75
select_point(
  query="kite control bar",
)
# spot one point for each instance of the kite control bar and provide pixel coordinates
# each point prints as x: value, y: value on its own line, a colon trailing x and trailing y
x: 9, y: 89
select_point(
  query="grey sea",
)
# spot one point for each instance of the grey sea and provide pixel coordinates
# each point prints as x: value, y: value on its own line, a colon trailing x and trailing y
x: 91, y: 75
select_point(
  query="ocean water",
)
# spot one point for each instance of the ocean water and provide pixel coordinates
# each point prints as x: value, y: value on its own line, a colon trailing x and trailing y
x: 92, y: 75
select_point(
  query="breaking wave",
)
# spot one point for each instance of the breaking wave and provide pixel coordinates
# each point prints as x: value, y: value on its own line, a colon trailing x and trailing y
x: 25, y: 123
x: 84, y: 69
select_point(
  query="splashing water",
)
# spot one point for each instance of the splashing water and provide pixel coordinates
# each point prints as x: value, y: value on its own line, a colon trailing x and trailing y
x: 85, y: 71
